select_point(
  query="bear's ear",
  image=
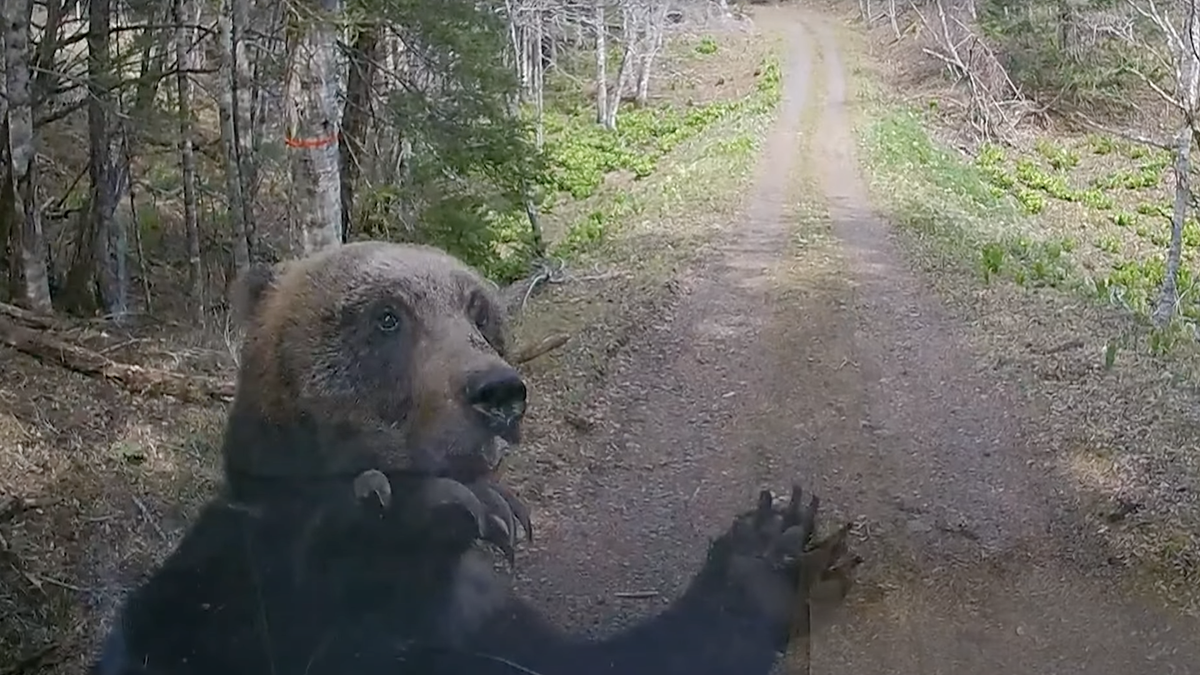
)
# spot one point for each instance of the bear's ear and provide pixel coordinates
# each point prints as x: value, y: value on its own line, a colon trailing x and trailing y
x: 251, y: 288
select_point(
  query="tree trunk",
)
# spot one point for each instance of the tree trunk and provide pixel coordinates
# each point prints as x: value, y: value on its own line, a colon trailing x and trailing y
x: 22, y: 152
x: 46, y: 80
x: 539, y: 83
x: 243, y: 118
x: 655, y: 26
x: 356, y: 117
x: 97, y: 270
x: 629, y: 33
x: 1169, y: 295
x: 311, y: 109
x: 601, y: 63
x: 187, y: 15
x: 227, y: 114
x: 154, y: 59
x: 1188, y: 92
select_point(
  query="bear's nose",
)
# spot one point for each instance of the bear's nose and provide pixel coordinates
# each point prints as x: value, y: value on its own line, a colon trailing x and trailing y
x: 499, y: 394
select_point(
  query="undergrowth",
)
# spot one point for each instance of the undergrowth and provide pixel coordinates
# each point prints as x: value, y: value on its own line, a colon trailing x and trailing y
x: 579, y: 155
x: 1086, y: 215
x: 583, y: 153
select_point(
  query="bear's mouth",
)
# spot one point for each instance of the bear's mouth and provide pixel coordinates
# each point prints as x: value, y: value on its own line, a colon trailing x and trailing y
x: 483, y: 464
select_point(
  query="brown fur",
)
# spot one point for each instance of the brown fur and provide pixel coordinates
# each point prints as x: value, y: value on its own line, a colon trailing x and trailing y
x: 313, y: 362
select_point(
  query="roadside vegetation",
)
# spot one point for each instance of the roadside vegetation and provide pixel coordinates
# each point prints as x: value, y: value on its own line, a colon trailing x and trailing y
x: 1040, y: 188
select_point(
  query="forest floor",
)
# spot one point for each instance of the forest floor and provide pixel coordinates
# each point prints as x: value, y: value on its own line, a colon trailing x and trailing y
x: 758, y: 322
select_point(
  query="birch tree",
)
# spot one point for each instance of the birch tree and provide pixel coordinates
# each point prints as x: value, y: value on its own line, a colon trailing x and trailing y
x: 654, y: 17
x: 310, y: 104
x: 600, y: 28
x: 1177, y: 26
x: 22, y: 152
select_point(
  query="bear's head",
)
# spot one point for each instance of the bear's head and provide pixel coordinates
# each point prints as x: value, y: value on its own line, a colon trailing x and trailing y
x: 371, y: 355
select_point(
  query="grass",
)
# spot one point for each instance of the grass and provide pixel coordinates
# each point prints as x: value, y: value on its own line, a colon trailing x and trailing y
x: 1052, y: 251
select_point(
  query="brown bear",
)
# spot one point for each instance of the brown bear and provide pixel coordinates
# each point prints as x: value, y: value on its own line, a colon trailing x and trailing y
x: 373, y: 406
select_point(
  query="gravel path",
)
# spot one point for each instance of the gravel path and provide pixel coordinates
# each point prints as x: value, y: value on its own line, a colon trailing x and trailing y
x: 831, y: 361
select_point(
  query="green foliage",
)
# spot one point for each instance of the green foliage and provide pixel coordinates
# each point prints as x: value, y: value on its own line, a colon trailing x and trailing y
x: 992, y: 257
x: 1124, y: 219
x: 1029, y: 173
x: 1133, y: 283
x: 1191, y: 234
x: 1027, y: 261
x: 1146, y: 176
x: 473, y: 159
x: 1101, y: 145
x: 581, y: 153
x: 1109, y: 244
x: 1063, y: 160
x: 1031, y: 201
x: 1028, y: 35
x: 1096, y: 199
x: 903, y: 145
x: 1151, y: 209
x: 474, y: 164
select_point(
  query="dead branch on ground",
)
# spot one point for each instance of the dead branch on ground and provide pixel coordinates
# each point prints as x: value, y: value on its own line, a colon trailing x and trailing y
x: 996, y: 105
x: 138, y: 379
x: 36, y: 339
x: 545, y: 346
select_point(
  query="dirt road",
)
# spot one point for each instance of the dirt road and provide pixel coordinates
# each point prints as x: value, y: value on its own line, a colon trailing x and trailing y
x: 807, y: 348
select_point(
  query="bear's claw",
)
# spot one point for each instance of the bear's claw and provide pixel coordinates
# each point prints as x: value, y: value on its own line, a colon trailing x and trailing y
x: 495, y: 510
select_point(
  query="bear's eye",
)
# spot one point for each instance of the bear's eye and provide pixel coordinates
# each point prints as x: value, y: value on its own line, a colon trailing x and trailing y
x: 478, y: 310
x: 387, y: 321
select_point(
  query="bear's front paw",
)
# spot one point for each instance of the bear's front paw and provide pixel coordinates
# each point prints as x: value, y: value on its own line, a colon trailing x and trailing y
x: 453, y: 511
x: 775, y: 564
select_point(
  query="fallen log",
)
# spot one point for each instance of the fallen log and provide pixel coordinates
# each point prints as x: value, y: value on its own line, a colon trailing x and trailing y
x: 30, y: 319
x: 137, y: 379
x: 47, y: 348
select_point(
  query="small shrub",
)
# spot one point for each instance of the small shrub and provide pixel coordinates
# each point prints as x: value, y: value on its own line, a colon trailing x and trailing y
x: 1059, y: 158
x: 1101, y: 145
x: 1124, y: 219
x: 992, y: 259
x: 1096, y: 199
x: 1109, y: 244
x: 1031, y: 201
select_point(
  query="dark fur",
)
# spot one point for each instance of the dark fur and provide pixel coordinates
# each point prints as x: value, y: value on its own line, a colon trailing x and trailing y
x: 285, y: 573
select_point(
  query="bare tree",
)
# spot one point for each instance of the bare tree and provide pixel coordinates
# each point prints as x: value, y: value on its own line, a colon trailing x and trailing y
x: 228, y: 115
x: 357, y: 114
x: 244, y: 102
x: 1177, y: 25
x: 310, y: 99
x: 600, y: 28
x: 22, y: 152
x: 187, y: 15
x: 654, y: 17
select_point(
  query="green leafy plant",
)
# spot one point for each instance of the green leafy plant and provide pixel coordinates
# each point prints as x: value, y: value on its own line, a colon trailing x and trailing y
x: 706, y: 46
x: 1058, y: 158
x: 1031, y: 202
x: 992, y: 257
